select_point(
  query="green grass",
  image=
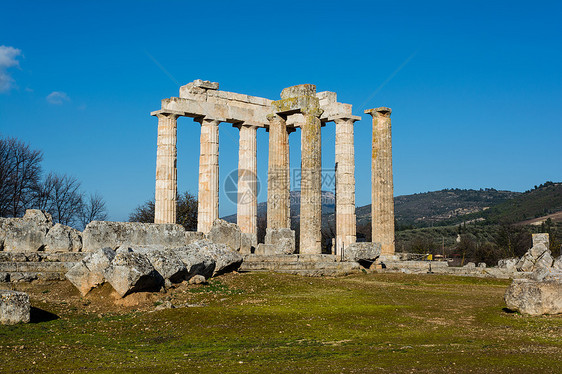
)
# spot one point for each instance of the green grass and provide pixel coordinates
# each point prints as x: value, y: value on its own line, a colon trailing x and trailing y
x: 262, y: 322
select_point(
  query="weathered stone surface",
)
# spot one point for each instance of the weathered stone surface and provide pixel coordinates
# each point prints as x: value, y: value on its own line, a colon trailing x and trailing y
x: 14, y: 307
x: 282, y: 240
x: 208, y: 192
x: 265, y: 249
x: 166, y: 262
x: 131, y: 272
x: 508, y: 263
x: 470, y: 265
x: 89, y: 273
x: 537, y: 257
x: 382, y: 190
x: 541, y: 238
x: 196, y: 263
x: 197, y: 279
x: 62, y: 238
x: 193, y: 236
x: 225, y: 258
x: 534, y: 298
x: 365, y: 251
x: 247, y: 242
x: 558, y: 263
x: 101, y: 234
x: 226, y: 233
x: 25, y: 234
x: 4, y: 277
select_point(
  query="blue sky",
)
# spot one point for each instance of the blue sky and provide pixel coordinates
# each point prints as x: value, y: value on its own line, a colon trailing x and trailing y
x: 475, y: 87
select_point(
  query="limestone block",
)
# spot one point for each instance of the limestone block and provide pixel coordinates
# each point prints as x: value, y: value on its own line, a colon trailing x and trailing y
x: 365, y: 251
x: 14, y: 307
x: 166, y: 262
x: 265, y: 249
x: 508, y: 264
x: 89, y: 273
x: 225, y: 258
x: 282, y: 240
x: 558, y: 263
x: 62, y: 238
x: 131, y: 272
x: 226, y: 233
x: 25, y: 234
x: 196, y: 263
x: 197, y: 279
x: 536, y: 257
x: 193, y: 236
x: 534, y: 298
x: 542, y: 238
x: 247, y: 242
x: 101, y: 234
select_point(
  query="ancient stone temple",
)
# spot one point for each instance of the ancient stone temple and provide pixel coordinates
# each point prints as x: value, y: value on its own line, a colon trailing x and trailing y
x: 300, y: 107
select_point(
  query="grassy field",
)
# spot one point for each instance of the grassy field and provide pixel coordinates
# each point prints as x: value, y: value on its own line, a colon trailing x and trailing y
x: 263, y: 323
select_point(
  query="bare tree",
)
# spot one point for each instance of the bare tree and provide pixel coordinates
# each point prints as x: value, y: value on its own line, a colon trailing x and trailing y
x: 93, y: 209
x: 20, y: 172
x: 60, y: 195
x: 186, y: 212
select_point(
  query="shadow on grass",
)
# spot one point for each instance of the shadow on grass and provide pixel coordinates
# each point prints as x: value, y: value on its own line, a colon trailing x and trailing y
x: 39, y: 315
x: 509, y: 311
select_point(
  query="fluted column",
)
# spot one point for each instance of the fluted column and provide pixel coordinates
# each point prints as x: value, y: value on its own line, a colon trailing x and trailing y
x: 278, y: 187
x: 166, y: 170
x: 382, y: 204
x: 208, y: 197
x: 247, y: 208
x: 345, y: 184
x: 311, y: 184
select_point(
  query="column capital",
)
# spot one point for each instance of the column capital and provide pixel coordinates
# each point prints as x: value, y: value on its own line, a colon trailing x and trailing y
x: 167, y: 113
x: 343, y: 120
x: 379, y: 112
x: 245, y: 125
x: 209, y: 121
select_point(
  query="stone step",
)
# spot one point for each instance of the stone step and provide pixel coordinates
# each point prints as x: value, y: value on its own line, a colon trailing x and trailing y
x: 297, y: 265
x: 35, y: 266
x: 289, y: 258
x: 41, y: 256
x: 319, y: 272
x: 28, y: 276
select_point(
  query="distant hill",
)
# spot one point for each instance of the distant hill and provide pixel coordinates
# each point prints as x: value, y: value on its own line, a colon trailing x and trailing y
x: 449, y: 206
x: 429, y: 208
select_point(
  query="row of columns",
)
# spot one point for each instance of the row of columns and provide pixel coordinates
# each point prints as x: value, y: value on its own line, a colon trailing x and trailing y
x: 278, y: 202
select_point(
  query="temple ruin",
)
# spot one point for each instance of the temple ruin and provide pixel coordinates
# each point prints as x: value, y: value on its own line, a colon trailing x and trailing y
x: 300, y: 107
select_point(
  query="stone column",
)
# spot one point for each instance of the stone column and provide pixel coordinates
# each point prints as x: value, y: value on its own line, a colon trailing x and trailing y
x: 311, y: 184
x: 166, y: 169
x: 208, y: 197
x: 382, y: 204
x: 247, y: 208
x: 278, y: 174
x: 345, y: 184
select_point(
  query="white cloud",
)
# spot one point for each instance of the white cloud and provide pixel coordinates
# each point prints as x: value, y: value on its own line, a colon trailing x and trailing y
x: 8, y: 59
x: 57, y: 97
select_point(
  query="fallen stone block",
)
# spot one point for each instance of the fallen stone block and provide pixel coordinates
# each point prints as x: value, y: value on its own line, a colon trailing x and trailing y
x: 247, y: 242
x: 62, y: 238
x: 131, y: 272
x: 89, y: 273
x: 534, y: 298
x: 166, y: 262
x: 225, y: 259
x: 14, y: 307
x: 508, y: 264
x: 193, y: 236
x: 197, y: 279
x: 196, y: 263
x: 265, y: 249
x: 365, y: 251
x: 225, y: 233
x: 283, y: 240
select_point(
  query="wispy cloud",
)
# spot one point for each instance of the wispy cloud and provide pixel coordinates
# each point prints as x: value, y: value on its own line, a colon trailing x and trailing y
x: 57, y: 97
x: 8, y: 59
